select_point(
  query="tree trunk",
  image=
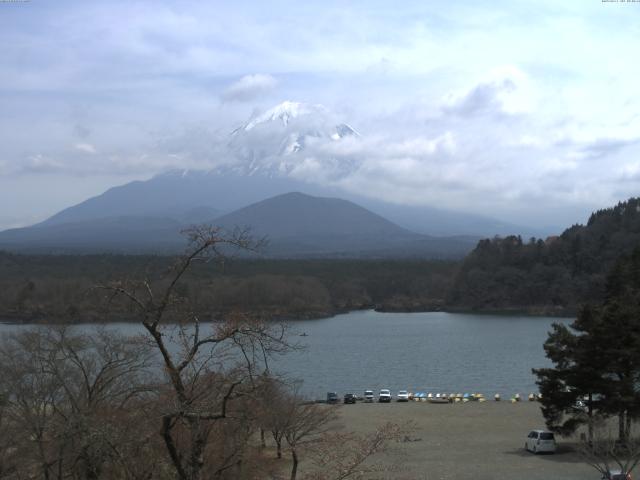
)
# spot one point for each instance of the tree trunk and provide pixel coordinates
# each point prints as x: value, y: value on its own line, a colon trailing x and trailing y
x: 45, y: 471
x: 278, y: 440
x: 45, y: 465
x: 169, y: 442
x: 590, y: 413
x: 621, y: 428
x: 198, y: 444
x: 90, y: 467
x: 294, y: 465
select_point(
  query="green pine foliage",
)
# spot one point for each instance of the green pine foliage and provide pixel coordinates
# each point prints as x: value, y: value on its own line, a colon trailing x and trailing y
x: 597, y: 358
x: 553, y: 276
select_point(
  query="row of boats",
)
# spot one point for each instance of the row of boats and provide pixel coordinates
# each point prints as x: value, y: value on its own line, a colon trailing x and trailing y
x: 466, y: 397
x: 385, y: 396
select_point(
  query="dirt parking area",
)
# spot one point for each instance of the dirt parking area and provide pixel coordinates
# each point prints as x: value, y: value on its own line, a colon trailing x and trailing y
x: 479, y: 441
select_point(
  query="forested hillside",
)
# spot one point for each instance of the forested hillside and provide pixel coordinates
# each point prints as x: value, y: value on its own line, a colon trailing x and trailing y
x: 62, y: 288
x: 555, y: 275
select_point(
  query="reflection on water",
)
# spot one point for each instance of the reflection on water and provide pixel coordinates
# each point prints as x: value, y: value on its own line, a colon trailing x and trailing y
x: 430, y: 352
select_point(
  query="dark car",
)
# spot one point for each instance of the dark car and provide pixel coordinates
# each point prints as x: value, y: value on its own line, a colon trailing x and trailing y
x: 350, y: 398
x: 617, y: 475
x: 332, y: 397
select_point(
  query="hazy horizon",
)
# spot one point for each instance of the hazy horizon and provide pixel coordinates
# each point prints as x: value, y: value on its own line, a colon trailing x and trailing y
x: 522, y: 111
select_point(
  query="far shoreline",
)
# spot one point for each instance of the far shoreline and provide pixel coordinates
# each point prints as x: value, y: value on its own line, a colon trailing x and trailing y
x: 40, y: 319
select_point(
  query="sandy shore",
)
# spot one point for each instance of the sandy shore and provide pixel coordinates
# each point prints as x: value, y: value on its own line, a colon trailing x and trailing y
x: 479, y: 441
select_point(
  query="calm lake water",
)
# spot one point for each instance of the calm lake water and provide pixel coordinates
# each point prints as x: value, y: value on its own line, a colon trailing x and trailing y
x: 429, y: 352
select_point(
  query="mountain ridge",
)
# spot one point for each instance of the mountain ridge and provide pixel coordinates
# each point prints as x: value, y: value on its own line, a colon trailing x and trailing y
x: 298, y: 225
x: 270, y: 155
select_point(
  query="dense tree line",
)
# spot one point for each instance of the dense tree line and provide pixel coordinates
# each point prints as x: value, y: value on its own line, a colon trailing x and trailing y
x: 555, y: 275
x: 60, y: 288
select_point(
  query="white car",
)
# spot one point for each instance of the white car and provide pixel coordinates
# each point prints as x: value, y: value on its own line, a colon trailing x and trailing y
x: 539, y: 441
x: 368, y: 396
x: 384, y: 396
x: 403, y: 396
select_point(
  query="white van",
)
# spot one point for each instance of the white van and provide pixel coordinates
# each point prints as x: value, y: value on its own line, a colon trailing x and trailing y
x: 384, y: 396
x: 539, y: 441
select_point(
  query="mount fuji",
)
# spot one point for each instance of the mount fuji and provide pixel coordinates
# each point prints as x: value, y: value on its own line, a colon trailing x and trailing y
x: 281, y: 140
x: 269, y: 155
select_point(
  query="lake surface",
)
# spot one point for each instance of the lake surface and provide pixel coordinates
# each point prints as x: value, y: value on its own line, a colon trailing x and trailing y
x: 429, y: 352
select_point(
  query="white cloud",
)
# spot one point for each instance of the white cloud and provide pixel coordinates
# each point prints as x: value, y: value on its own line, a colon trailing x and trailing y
x: 249, y: 88
x: 85, y: 148
x: 39, y: 163
x: 505, y: 90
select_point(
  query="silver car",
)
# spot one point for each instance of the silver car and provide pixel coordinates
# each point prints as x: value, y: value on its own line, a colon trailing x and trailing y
x: 403, y: 396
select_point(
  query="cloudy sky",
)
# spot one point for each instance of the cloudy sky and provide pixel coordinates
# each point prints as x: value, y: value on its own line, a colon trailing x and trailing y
x: 525, y: 111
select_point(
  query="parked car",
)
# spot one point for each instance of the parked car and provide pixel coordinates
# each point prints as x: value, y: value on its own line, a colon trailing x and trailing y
x: 332, y: 397
x: 350, y: 398
x: 384, y: 396
x: 368, y: 396
x: 403, y: 396
x: 539, y: 441
x: 616, y: 475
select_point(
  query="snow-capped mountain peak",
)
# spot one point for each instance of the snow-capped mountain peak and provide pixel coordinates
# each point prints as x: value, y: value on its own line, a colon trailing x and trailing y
x: 285, y: 112
x: 280, y: 140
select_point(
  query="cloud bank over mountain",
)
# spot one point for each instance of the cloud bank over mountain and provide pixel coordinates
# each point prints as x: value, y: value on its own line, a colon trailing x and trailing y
x: 529, y: 114
x: 249, y: 88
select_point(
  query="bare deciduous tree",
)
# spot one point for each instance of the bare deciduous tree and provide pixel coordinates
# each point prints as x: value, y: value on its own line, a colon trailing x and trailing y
x: 8, y: 460
x: 306, y: 426
x: 342, y: 456
x: 209, y: 367
x: 605, y: 452
x: 67, y: 397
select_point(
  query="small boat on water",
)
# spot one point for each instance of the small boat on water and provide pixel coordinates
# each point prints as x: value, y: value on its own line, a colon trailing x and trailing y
x: 304, y: 334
